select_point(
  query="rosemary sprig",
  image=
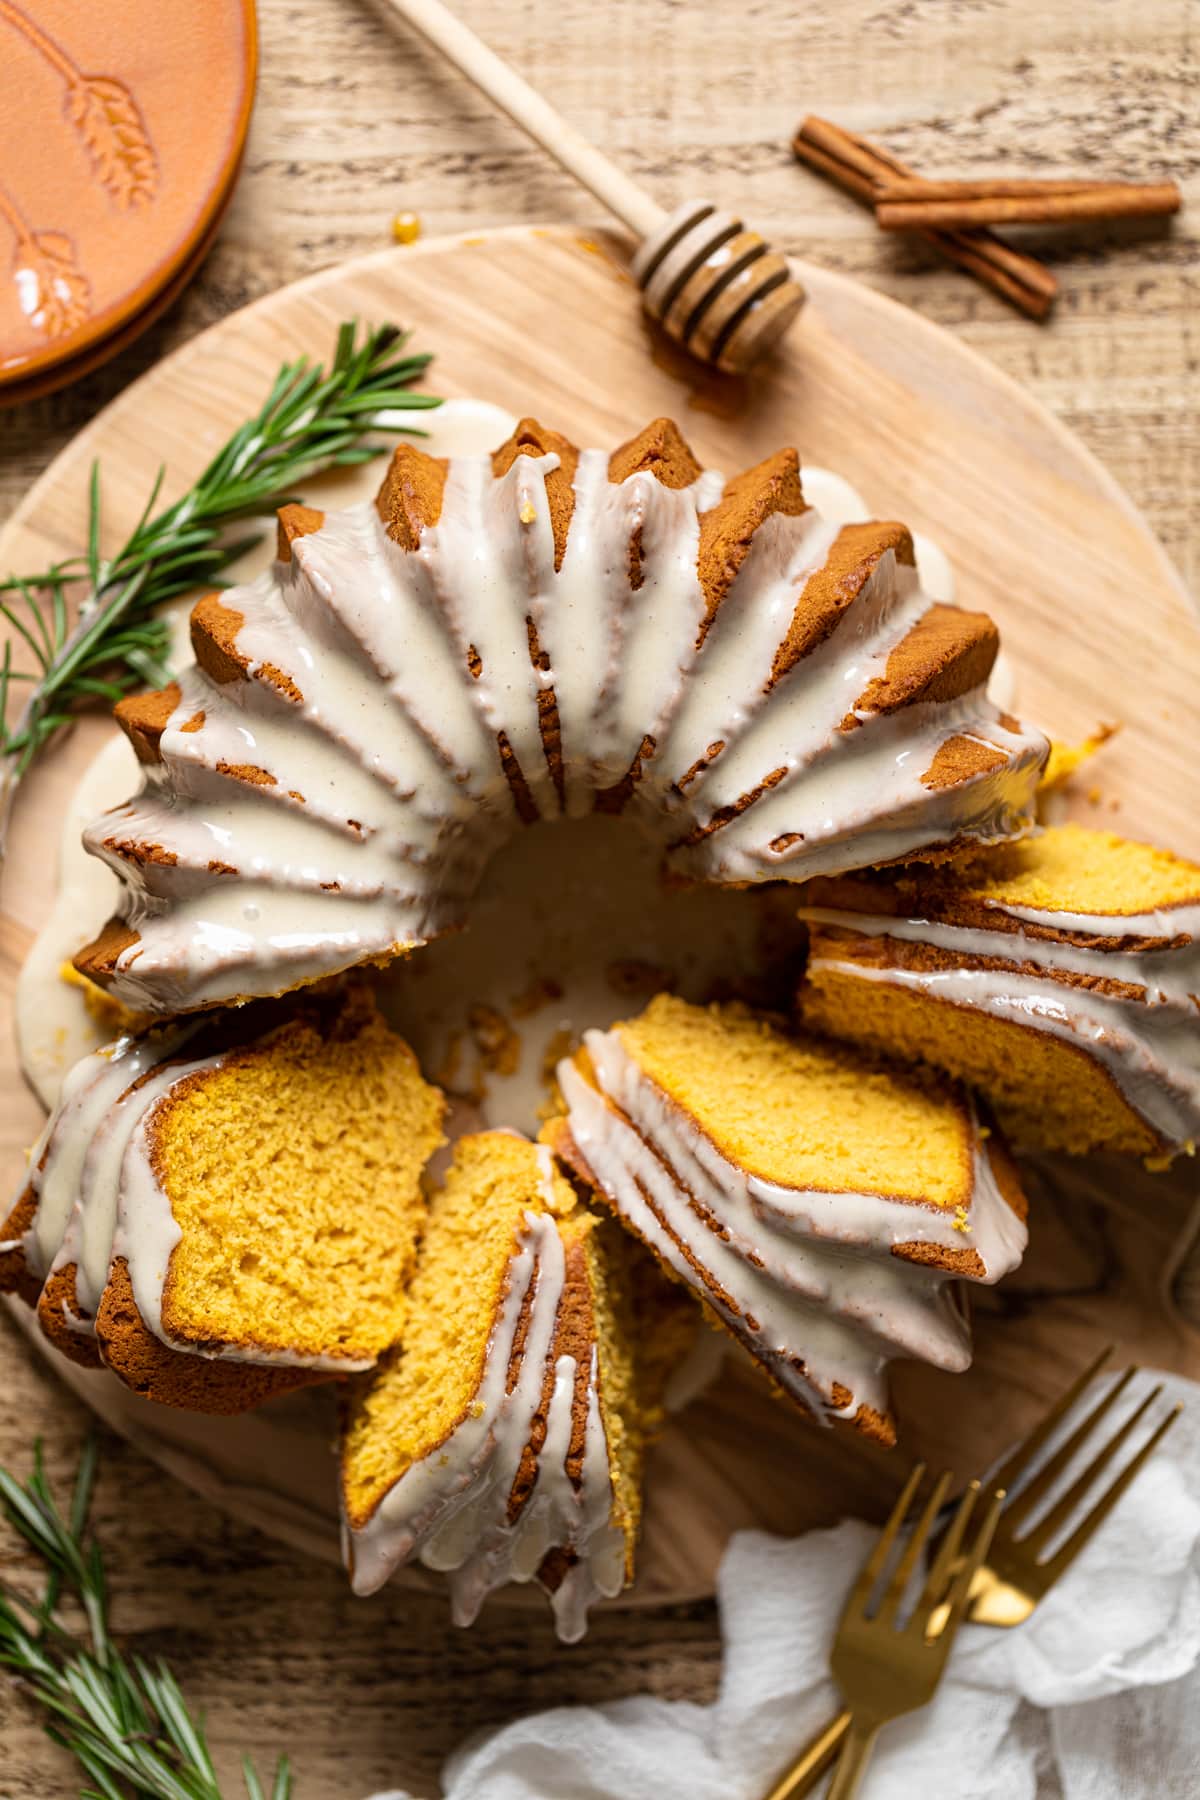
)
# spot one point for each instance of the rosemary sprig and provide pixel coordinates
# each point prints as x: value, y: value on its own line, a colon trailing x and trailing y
x: 310, y: 420
x: 126, y: 1723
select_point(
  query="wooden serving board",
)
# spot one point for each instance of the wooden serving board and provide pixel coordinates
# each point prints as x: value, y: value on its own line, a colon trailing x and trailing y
x: 1095, y: 623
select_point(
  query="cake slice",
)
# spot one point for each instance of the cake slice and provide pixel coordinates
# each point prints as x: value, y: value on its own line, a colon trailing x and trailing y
x: 819, y: 1204
x: 223, y: 1210
x: 1059, y: 976
x: 502, y: 1439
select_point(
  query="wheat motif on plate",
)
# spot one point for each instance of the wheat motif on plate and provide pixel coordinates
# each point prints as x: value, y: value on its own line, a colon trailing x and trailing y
x: 105, y: 117
x: 52, y: 290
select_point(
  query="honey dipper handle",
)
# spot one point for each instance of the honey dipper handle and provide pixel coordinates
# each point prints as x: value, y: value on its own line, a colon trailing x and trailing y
x: 502, y: 85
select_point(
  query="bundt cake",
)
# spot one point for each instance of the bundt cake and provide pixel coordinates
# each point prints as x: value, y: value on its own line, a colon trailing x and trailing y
x: 228, y: 1207
x: 818, y: 1204
x: 238, y: 1197
x: 502, y: 1439
x: 1060, y: 976
x: 546, y: 631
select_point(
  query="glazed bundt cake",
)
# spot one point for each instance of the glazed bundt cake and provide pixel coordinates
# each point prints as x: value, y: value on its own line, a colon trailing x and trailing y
x: 1060, y: 976
x: 237, y: 1197
x: 546, y: 631
x: 501, y: 1440
x: 226, y: 1208
x: 818, y: 1204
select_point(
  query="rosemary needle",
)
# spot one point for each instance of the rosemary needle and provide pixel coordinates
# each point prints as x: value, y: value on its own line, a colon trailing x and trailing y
x: 116, y: 640
x: 126, y: 1723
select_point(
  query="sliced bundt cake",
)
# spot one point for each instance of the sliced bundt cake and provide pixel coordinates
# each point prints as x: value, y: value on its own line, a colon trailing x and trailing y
x: 817, y: 1203
x: 548, y: 630
x: 225, y: 1210
x: 502, y: 1439
x: 1060, y: 976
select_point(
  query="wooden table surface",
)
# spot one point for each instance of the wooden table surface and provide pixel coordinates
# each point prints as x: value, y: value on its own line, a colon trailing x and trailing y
x: 355, y: 123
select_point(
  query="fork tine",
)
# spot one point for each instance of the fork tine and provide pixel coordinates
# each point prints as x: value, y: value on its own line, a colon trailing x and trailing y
x: 898, y: 1586
x: 1044, y: 1480
x: 1066, y: 1553
x: 860, y: 1593
x: 948, y: 1552
x: 1010, y: 1470
x: 960, y: 1588
x: 933, y: 1608
x: 1062, y: 1510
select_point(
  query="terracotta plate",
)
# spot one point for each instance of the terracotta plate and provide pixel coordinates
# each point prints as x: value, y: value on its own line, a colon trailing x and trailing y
x: 121, y: 128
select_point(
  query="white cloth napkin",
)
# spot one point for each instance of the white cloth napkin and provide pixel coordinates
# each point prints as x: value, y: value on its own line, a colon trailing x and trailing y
x: 1095, y: 1697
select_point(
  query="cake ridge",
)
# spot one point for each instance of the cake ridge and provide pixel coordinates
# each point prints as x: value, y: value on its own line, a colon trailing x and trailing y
x: 394, y: 603
x: 351, y: 803
x: 758, y: 843
x: 853, y: 559
x: 814, y: 683
x: 618, y: 692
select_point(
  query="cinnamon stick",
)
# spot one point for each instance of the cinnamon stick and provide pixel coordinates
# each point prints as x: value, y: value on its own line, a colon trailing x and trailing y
x: 996, y: 187
x: 865, y: 170
x: 863, y: 187
x: 1110, y: 200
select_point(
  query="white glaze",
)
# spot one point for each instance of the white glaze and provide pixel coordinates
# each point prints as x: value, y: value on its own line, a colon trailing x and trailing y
x: 91, y: 1095
x: 462, y: 427
x: 387, y: 793
x: 860, y: 800
x: 450, y: 1509
x: 806, y: 1280
x: 1165, y: 922
x: 618, y: 655
x: 95, y: 1187
x: 730, y: 700
x: 54, y: 1028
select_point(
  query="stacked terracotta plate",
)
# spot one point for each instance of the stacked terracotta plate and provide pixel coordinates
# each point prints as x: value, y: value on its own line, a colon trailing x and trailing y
x: 121, y: 133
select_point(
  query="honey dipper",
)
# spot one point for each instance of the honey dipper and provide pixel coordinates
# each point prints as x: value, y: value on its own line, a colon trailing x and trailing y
x: 713, y: 284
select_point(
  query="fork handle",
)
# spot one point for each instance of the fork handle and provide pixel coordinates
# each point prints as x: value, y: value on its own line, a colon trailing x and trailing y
x: 813, y: 1761
x: 852, y: 1765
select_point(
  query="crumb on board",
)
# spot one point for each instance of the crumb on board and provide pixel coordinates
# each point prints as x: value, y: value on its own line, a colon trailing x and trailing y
x: 544, y: 990
x: 499, y: 1046
x: 632, y: 976
x: 1065, y: 760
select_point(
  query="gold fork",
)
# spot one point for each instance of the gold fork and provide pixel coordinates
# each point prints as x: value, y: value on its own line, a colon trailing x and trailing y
x: 1011, y: 1580
x: 885, y: 1668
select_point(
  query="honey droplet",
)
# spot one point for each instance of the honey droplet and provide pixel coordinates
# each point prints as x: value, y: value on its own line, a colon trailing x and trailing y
x: 406, y: 228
